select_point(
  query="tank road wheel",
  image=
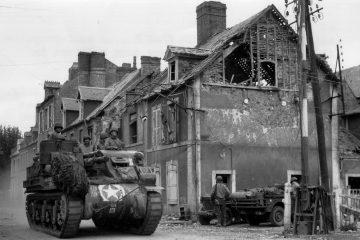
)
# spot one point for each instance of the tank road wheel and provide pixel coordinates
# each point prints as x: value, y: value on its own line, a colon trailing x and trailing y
x: 59, y: 216
x: 277, y: 216
x: 153, y: 215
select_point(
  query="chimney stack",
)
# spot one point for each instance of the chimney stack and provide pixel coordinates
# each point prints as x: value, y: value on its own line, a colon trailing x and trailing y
x: 84, y: 68
x: 211, y: 19
x: 149, y: 65
x: 97, y: 69
x: 134, y: 62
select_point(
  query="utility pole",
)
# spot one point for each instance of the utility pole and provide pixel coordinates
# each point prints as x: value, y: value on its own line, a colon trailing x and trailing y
x: 317, y: 103
x: 304, y: 100
x: 341, y: 79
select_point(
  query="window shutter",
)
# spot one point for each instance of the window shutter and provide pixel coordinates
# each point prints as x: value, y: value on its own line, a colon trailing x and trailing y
x: 158, y: 176
x: 165, y: 122
x: 172, y: 182
x: 159, y: 134
x: 153, y: 124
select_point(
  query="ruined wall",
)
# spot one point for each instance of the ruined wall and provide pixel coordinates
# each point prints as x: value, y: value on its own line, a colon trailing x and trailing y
x: 261, y: 128
x: 260, y: 121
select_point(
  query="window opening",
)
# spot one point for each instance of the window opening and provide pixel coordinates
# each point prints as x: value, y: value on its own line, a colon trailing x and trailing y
x: 354, y: 182
x: 90, y: 132
x: 133, y: 128
x: 46, y: 119
x: 169, y: 120
x: 238, y: 66
x: 172, y: 69
x: 267, y: 74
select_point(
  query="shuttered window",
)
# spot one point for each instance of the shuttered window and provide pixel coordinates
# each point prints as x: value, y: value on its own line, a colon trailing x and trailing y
x: 172, y: 187
x: 156, y: 126
x: 158, y: 176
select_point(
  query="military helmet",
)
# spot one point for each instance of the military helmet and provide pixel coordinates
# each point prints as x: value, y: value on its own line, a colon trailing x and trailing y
x: 86, y: 137
x: 58, y: 125
x: 113, y: 130
x: 138, y: 155
x: 219, y: 179
x: 293, y: 179
x: 103, y: 135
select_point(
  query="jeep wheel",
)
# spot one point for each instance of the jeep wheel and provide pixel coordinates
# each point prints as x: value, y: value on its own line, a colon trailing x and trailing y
x: 204, y: 217
x: 228, y: 217
x: 277, y: 216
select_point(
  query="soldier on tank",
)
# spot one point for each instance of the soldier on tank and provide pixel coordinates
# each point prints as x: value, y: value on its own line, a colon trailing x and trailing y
x: 86, y: 147
x: 56, y: 135
x: 113, y: 142
x: 101, y: 143
x: 138, y: 159
x: 219, y: 194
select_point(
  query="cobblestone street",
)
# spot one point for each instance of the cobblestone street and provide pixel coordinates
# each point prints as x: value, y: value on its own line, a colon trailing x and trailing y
x: 14, y: 226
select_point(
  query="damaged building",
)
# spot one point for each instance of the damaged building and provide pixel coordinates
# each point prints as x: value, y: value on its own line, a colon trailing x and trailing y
x: 228, y: 106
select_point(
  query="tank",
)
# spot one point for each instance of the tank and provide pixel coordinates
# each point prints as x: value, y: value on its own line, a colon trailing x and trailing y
x: 111, y: 187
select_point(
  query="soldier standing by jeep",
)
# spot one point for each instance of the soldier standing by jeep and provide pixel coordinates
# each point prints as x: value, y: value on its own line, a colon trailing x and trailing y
x: 219, y: 194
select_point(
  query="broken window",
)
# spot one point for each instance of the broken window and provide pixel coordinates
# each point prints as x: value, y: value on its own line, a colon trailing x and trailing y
x: 267, y: 74
x: 238, y: 66
x: 240, y: 71
x: 133, y: 128
x: 169, y: 120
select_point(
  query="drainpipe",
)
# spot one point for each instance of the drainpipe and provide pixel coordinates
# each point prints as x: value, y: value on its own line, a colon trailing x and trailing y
x: 196, y: 91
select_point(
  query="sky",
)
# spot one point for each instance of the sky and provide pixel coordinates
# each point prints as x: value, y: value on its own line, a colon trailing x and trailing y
x: 40, y: 39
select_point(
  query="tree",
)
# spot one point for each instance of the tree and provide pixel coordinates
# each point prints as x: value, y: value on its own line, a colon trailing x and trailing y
x: 8, y: 138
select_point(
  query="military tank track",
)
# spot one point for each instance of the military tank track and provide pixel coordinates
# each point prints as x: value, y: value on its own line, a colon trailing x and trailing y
x: 54, y: 213
x: 153, y: 215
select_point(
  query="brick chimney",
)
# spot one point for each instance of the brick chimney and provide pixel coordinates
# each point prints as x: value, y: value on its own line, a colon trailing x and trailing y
x: 149, y: 65
x: 97, y: 69
x: 211, y: 19
x: 84, y: 68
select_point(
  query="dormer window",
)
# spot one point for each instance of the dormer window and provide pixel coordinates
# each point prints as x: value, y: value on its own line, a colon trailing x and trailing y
x: 173, y: 71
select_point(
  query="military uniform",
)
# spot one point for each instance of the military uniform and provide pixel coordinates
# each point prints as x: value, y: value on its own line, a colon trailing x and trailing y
x: 114, y: 143
x: 101, y: 143
x: 86, y: 149
x: 56, y: 135
x: 219, y: 194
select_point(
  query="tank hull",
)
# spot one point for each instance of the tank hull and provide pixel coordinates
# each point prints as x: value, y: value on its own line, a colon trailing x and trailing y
x: 65, y: 186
